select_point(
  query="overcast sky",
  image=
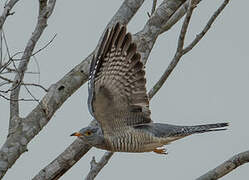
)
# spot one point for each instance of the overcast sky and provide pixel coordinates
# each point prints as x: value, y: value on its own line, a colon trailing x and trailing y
x: 209, y: 85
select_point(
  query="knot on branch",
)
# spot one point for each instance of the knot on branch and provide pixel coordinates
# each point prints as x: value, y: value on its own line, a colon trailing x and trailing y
x: 93, y: 163
x: 14, y: 125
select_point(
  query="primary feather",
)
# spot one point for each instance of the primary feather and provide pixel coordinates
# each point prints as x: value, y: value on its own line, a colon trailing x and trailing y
x: 117, y: 92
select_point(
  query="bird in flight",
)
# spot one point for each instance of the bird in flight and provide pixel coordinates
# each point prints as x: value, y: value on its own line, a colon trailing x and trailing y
x: 119, y: 102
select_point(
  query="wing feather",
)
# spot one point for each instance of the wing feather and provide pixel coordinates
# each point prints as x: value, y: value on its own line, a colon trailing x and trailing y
x: 117, y: 92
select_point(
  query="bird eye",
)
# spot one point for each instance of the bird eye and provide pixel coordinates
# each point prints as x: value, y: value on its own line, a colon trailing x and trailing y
x: 88, y: 133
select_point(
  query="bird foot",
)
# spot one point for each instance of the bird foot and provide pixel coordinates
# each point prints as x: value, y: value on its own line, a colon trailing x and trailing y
x: 160, y: 151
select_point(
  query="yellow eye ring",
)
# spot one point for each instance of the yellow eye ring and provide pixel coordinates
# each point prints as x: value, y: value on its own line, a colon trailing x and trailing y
x: 88, y: 133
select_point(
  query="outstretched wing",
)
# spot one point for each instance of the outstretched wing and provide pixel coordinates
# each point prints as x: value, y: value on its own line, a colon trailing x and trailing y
x: 117, y: 92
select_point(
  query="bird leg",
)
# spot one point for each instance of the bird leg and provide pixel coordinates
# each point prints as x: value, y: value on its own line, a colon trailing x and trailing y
x: 161, y: 150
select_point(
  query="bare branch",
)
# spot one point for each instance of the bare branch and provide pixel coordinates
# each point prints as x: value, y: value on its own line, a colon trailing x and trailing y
x: 11, y: 70
x: 19, y: 137
x: 38, y: 69
x: 6, y: 79
x: 36, y: 52
x: 7, y: 69
x: 22, y: 99
x: 6, y: 12
x: 36, y: 85
x: 64, y: 161
x: 97, y: 166
x: 1, y: 49
x: 185, y: 26
x: 5, y: 65
x: 226, y: 167
x: 147, y: 37
x: 153, y: 6
x: 180, y: 50
x: 45, y: 11
x: 178, y: 53
x: 177, y: 15
x: 206, y: 28
x: 26, y: 84
x: 34, y: 98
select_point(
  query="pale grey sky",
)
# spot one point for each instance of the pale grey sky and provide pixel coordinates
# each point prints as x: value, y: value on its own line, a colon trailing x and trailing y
x: 209, y: 85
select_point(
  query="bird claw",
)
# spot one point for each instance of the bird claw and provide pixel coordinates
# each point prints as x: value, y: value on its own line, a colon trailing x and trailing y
x: 160, y: 151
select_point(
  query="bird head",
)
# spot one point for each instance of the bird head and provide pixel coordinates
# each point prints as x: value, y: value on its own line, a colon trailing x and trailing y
x: 91, y: 135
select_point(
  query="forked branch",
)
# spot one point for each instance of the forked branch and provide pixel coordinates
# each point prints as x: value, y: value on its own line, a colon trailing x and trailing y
x: 97, y: 166
x: 180, y: 49
x: 45, y: 10
x: 6, y: 11
x: 18, y: 138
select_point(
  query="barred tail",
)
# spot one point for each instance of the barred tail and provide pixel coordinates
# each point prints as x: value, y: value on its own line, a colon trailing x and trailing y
x: 174, y: 132
x: 204, y: 128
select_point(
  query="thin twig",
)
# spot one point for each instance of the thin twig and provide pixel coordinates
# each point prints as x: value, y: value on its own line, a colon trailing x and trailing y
x: 39, y: 50
x: 185, y: 27
x: 8, y: 159
x: 7, y: 64
x: 6, y: 79
x: 1, y: 49
x: 2, y: 84
x: 22, y: 99
x: 34, y: 98
x: 36, y: 85
x: 178, y: 53
x: 181, y: 11
x: 206, y: 28
x: 10, y: 70
x: 38, y: 69
x: 153, y: 6
x: 45, y: 10
x: 97, y: 166
x: 226, y: 167
x: 27, y: 84
x: 180, y: 50
x: 6, y: 11
x: 6, y: 45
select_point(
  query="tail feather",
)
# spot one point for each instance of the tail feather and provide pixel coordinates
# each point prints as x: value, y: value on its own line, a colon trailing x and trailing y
x: 168, y: 133
x: 203, y: 128
x: 176, y: 132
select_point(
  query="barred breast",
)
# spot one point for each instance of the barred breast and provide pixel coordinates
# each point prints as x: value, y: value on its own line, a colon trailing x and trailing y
x: 132, y: 140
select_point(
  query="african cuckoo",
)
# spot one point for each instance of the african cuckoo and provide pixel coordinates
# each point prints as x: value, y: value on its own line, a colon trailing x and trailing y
x: 119, y: 102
